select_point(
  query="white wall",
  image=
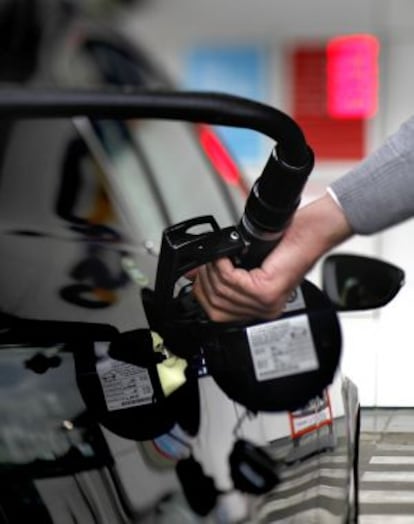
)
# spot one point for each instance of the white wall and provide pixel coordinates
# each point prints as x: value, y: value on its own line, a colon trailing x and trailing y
x: 378, y: 351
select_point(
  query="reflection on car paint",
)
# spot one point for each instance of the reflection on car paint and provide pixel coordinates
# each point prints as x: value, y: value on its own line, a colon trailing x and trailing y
x: 98, y: 275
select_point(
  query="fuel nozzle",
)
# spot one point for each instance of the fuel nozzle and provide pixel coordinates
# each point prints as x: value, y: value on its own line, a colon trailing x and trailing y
x: 271, y: 204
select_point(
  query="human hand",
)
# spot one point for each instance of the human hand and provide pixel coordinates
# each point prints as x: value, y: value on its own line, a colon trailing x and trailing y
x: 229, y: 294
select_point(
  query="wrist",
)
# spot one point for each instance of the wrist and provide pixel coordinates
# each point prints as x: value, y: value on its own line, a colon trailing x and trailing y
x: 315, y: 229
x: 318, y: 227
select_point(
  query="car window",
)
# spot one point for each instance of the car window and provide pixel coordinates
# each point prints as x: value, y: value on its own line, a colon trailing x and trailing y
x: 157, y: 174
x: 189, y: 184
x: 127, y: 179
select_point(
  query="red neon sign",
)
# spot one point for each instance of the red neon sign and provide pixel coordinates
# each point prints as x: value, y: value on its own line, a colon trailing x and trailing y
x: 352, y: 76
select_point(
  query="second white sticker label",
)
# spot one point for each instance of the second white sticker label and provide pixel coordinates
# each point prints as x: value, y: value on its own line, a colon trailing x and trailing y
x: 282, y: 348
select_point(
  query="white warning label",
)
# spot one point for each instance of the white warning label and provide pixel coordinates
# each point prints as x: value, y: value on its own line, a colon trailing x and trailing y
x: 282, y: 347
x: 124, y: 385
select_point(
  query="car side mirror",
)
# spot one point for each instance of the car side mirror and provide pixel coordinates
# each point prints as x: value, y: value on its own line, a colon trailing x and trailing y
x: 354, y: 282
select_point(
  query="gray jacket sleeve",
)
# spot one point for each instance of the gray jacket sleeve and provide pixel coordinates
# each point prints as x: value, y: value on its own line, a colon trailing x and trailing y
x: 379, y: 192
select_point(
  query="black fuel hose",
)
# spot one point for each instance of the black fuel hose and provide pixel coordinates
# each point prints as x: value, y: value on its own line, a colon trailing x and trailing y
x: 212, y: 108
x: 274, y: 196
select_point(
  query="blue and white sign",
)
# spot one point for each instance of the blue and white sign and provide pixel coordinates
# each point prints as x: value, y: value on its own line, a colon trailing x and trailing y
x: 233, y: 69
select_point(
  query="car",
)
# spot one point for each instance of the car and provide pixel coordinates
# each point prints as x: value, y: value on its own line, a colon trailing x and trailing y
x: 89, y: 433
